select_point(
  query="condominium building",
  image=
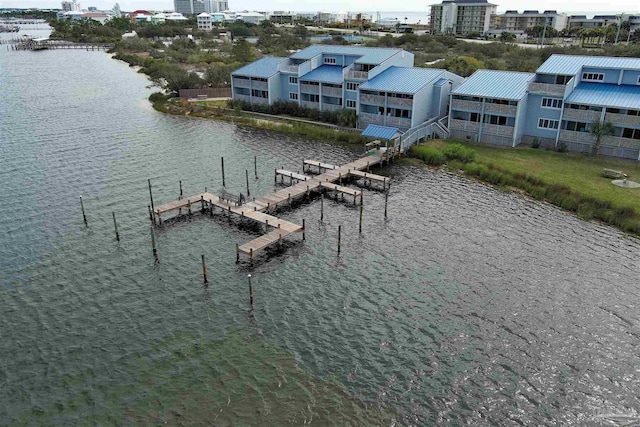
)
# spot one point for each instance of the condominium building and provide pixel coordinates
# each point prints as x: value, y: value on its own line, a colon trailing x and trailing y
x: 380, y: 84
x: 462, y: 16
x: 558, y: 104
x: 189, y: 7
x: 511, y: 20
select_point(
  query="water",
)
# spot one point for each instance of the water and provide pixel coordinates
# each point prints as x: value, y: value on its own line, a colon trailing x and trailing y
x: 468, y: 306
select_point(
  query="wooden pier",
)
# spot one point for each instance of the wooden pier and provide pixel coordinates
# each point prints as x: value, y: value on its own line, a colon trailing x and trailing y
x: 257, y: 210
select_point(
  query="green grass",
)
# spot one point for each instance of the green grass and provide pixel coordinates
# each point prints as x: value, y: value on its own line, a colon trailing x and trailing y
x: 570, y: 181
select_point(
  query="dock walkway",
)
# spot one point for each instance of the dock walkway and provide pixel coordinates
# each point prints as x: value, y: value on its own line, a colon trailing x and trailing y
x: 257, y: 209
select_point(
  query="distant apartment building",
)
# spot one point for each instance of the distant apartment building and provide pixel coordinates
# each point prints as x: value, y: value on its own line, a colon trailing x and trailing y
x: 215, y: 6
x: 204, y: 22
x: 462, y: 16
x: 70, y: 6
x: 189, y: 7
x: 511, y: 20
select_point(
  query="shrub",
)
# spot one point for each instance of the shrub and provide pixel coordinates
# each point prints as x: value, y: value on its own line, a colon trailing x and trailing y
x: 158, y: 97
x: 562, y: 148
x: 535, y: 143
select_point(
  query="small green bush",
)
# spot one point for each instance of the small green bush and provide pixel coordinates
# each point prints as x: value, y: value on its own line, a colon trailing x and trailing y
x: 158, y: 97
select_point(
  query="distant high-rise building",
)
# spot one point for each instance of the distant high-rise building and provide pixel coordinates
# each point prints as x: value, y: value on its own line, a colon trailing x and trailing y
x: 462, y: 16
x: 213, y: 6
x: 69, y: 6
x: 189, y: 7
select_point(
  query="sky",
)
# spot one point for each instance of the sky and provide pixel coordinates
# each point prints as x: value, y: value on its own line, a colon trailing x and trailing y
x: 588, y: 7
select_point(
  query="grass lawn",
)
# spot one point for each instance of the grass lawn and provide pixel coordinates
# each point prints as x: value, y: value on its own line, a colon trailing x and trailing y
x: 580, y: 173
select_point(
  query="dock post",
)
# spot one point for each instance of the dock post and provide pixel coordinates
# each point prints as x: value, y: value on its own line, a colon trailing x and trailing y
x: 151, y: 196
x: 339, y: 235
x: 247, y: 175
x: 355, y: 195
x: 180, y: 198
x: 204, y: 271
x: 321, y: 206
x: 250, y: 290
x: 150, y: 213
x: 237, y: 253
x: 266, y: 225
x: 336, y: 192
x: 153, y: 245
x: 368, y: 169
x: 255, y: 166
x: 279, y: 240
x: 222, y: 163
x: 386, y: 200
x: 275, y: 175
x: 115, y: 225
x: 84, y: 217
x: 307, y: 191
x: 202, y: 204
x: 303, y: 228
x: 229, y: 213
x: 340, y: 178
x: 242, y: 217
x: 251, y: 255
x: 189, y: 206
x: 289, y: 197
x: 360, y: 228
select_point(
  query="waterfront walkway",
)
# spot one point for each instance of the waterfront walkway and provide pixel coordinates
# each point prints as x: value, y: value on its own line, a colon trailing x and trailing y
x: 258, y: 210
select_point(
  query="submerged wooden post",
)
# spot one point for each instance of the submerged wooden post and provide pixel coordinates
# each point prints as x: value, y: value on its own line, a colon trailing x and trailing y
x: 255, y: 166
x: 360, y: 228
x: 151, y: 196
x: 250, y: 290
x: 386, y: 200
x: 303, y: 228
x: 321, y: 206
x: 204, y: 271
x: 339, y: 235
x: 115, y: 225
x: 84, y: 217
x: 247, y: 174
x: 222, y: 163
x: 153, y: 245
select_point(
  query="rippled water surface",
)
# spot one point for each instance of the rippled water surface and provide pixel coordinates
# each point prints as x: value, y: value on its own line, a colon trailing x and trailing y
x: 468, y: 306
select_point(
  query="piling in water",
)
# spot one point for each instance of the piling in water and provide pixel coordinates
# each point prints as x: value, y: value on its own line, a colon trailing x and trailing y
x: 115, y: 225
x: 222, y: 163
x: 204, y: 271
x: 153, y: 245
x: 339, y: 236
x: 247, y: 174
x: 250, y: 290
x: 84, y: 216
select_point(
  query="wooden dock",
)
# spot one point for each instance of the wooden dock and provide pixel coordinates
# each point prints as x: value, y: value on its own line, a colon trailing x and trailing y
x: 257, y: 210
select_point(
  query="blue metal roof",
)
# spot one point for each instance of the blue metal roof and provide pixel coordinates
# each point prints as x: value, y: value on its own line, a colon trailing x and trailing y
x: 509, y: 85
x: 264, y: 67
x: 572, y: 64
x: 368, y: 55
x: 381, y: 132
x: 403, y: 79
x: 325, y: 74
x: 608, y: 95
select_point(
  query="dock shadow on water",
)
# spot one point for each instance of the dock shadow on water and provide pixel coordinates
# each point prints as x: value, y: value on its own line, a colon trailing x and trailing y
x: 467, y: 305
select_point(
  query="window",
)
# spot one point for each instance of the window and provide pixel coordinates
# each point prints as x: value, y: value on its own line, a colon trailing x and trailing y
x: 495, y: 120
x: 329, y: 60
x: 593, y: 77
x: 352, y: 86
x: 576, y: 126
x: 551, y: 103
x: 548, y: 124
x: 314, y: 98
x: 260, y: 93
x: 293, y: 96
x: 351, y: 103
x: 474, y: 117
x: 293, y: 80
x: 631, y: 133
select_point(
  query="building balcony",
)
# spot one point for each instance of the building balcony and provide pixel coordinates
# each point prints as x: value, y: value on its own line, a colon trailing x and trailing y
x: 371, y: 118
x: 331, y: 107
x: 463, y: 104
x: 547, y: 88
x: 358, y: 75
x: 256, y: 84
x: 309, y: 88
x: 622, y: 119
x: 392, y: 101
x: 259, y: 100
x: 584, y: 115
x: 458, y: 124
x: 239, y: 97
x: 241, y: 83
x: 497, y: 130
x: 618, y: 141
x: 400, y: 122
x: 500, y: 108
x: 573, y: 136
x: 371, y: 99
x: 288, y: 68
x: 309, y: 104
x: 332, y: 91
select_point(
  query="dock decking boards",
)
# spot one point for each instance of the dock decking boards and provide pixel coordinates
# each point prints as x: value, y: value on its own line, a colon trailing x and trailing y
x: 257, y: 209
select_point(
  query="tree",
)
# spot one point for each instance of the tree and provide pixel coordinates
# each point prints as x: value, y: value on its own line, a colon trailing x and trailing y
x: 599, y: 131
x: 463, y: 65
x: 242, y: 51
x: 507, y: 37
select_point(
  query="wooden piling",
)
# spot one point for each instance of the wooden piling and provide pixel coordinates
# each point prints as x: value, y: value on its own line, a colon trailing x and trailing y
x: 266, y: 225
x: 321, y: 206
x: 255, y: 166
x: 250, y: 290
x: 303, y: 230
x: 153, y: 245
x: 204, y: 271
x: 222, y: 163
x: 339, y: 236
x: 84, y: 216
x: 150, y: 213
x: 189, y: 206
x: 180, y: 198
x: 115, y: 225
x: 275, y: 175
x: 151, y: 196
x: 237, y: 253
x: 386, y: 200
x: 202, y: 204
x: 360, y: 227
x: 247, y: 175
